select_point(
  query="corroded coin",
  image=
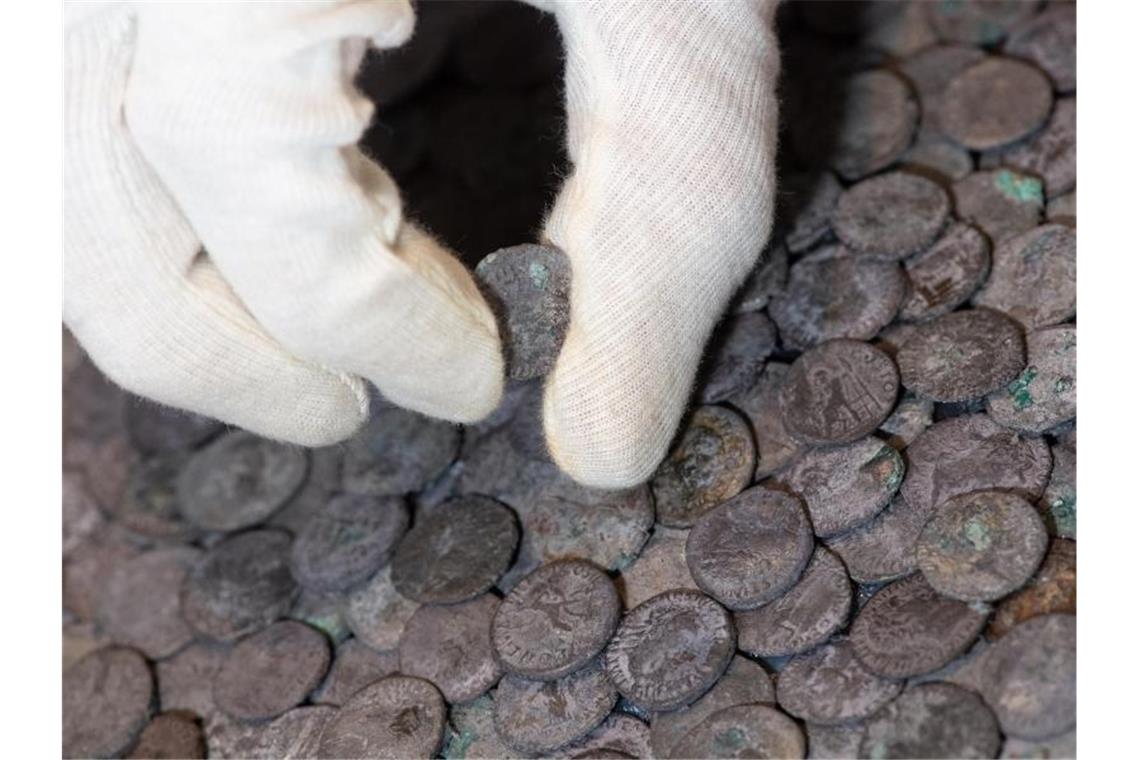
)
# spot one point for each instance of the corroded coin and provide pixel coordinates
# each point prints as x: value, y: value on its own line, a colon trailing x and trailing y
x: 1044, y: 395
x: 1049, y: 40
x: 838, y: 392
x: 348, y: 541
x: 457, y: 552
x: 912, y: 416
x: 1031, y: 677
x: 938, y: 158
x: 908, y: 629
x: 775, y: 447
x: 1034, y: 277
x: 1002, y: 202
x: 944, y: 276
x: 1052, y: 589
x: 806, y: 201
x: 807, y: 615
x: 745, y: 682
x: 876, y: 123
x: 1058, y: 503
x: 296, y: 733
x: 107, y: 699
x: 767, y: 278
x: 239, y: 481
x: 321, y: 485
x: 1051, y: 153
x: 981, y: 546
x: 977, y: 22
x: 541, y: 716
x: 398, y: 451
x: 829, y: 686
x: 744, y: 731
x: 1064, y: 745
x: 845, y: 486
x: 712, y: 461
x: 883, y: 549
x: 157, y: 429
x: 891, y: 216
x: 962, y: 356
x: 354, y: 666
x: 833, y: 742
x: 529, y: 287
x: 377, y: 613
x: 396, y: 717
x: 242, y: 585
x: 451, y: 647
x: 1063, y: 209
x: 555, y: 620
x: 171, y: 734
x: 660, y: 567
x: 271, y: 671
x: 933, y: 720
x: 186, y: 680
x: 995, y: 102
x: 617, y: 736
x: 324, y: 610
x: 751, y: 549
x: 139, y: 604
x: 973, y: 453
x: 737, y: 351
x: 471, y: 732
x: 930, y: 70
x: 149, y: 505
x: 670, y: 650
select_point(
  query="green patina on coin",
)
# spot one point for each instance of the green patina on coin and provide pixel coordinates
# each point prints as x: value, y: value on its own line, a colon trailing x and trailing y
x: 1018, y: 187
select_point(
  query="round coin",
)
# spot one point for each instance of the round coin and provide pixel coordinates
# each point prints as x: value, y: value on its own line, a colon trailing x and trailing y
x: 875, y: 125
x: 186, y: 680
x: 1031, y: 677
x: 838, y: 392
x: 397, y: 452
x: 1044, y: 395
x: 297, y: 733
x: 471, y: 732
x: 930, y: 70
x: 938, y: 158
x: 1050, y: 41
x: 354, y: 666
x: 377, y: 613
x: 396, y: 717
x: 1002, y: 203
x: 171, y: 734
x: 962, y: 356
x: 736, y: 354
x: 944, y: 276
x: 1052, y: 589
x: 107, y: 699
x: 457, y: 552
x: 271, y: 671
x: 744, y: 731
x: 712, y: 461
x: 933, y: 720
x: 451, y: 647
x: 541, y: 716
x: 556, y: 620
x: 751, y: 549
x: 157, y: 429
x: 775, y: 447
x: 829, y: 686
x: 347, y: 542
x: 1034, y: 277
x: 660, y: 567
x: 150, y: 502
x: 882, y: 549
x: 891, y: 216
x: 239, y: 480
x: 995, y: 102
x: 139, y: 604
x: 670, y: 650
x: 1051, y: 154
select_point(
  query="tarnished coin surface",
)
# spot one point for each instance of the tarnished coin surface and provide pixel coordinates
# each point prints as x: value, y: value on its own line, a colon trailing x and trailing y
x: 1002, y: 203
x: 242, y: 585
x: 829, y: 686
x: 398, y: 451
x: 618, y: 736
x: 1052, y: 589
x: 1058, y: 504
x: 396, y: 717
x: 833, y: 742
x: 845, y: 486
x: 806, y: 615
x: 149, y: 505
x: 937, y: 158
x: 348, y: 541
x: 107, y: 699
x: 963, y: 355
x: 775, y: 446
x: 471, y: 732
x: 908, y: 629
x: 541, y: 716
x: 737, y: 351
x: 175, y: 733
x: 1049, y: 40
x: 876, y: 123
x: 911, y: 416
x: 186, y: 679
x: 457, y: 552
x: 930, y: 70
x: 807, y: 200
x: 670, y: 649
x: 751, y: 549
x: 1044, y: 395
x: 139, y: 606
x: 555, y: 620
x: 891, y: 216
x: 981, y: 546
x: 712, y: 461
x: 450, y: 645
x: 157, y: 429
x: 1051, y: 153
x: 944, y: 276
x: 271, y: 671
x: 769, y: 277
x: 660, y: 567
x: 995, y: 102
x: 1034, y: 277
x: 838, y: 392
x: 296, y: 733
x: 933, y: 720
x: 744, y: 731
x: 882, y: 549
x: 354, y: 666
x: 1031, y: 677
x: 377, y: 613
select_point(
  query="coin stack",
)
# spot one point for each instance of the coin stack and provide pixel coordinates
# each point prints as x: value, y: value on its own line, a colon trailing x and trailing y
x: 861, y: 544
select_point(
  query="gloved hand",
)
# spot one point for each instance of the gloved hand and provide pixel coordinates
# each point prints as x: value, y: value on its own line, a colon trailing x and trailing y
x: 238, y: 123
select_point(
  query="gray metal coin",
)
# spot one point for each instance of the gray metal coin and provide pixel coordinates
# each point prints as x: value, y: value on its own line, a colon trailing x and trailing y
x: 938, y: 158
x: 107, y: 699
x: 324, y: 610
x: 977, y: 22
x: 395, y: 717
x: 944, y: 276
x: 833, y: 742
x: 139, y: 606
x: 933, y: 720
x: 745, y: 682
x: 660, y: 567
x: 845, y: 486
x: 156, y: 429
x: 1044, y: 395
x: 744, y: 731
x: 271, y: 671
x: 377, y: 613
x: 450, y: 646
x: 239, y: 480
x: 962, y: 356
x: 908, y: 629
x: 617, y: 736
x: 471, y: 732
x: 555, y: 620
x: 541, y: 716
x: 891, y: 216
x: 1002, y: 203
x: 347, y: 542
x: 882, y: 549
x: 456, y: 553
x: 775, y: 446
x: 751, y: 549
x: 1049, y: 40
x: 242, y: 585
x: 807, y: 200
x: 995, y: 102
x: 829, y: 686
x: 838, y: 392
x: 805, y: 616
x: 1031, y: 677
x: 670, y: 649
x: 1051, y: 153
x: 877, y: 122
x: 186, y: 679
x: 171, y: 734
x: 1034, y: 277
x: 398, y: 451
x: 149, y: 505
x: 354, y: 666
x: 529, y: 287
x: 737, y: 351
x: 712, y: 461
x: 295, y: 734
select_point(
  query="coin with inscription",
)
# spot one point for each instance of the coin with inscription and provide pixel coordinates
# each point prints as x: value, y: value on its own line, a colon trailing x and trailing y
x: 1002, y: 202
x: 556, y: 620
x: 395, y: 717
x: 107, y: 699
x: 760, y: 403
x: 712, y: 461
x: 398, y: 451
x: 541, y: 716
x: 139, y: 604
x: 1044, y: 395
x: 829, y: 686
x: 736, y: 354
x: 908, y: 629
x: 377, y: 613
x: 296, y: 733
x: 1031, y: 677
x: 838, y: 392
x: 354, y: 666
x: 1052, y: 589
x: 744, y: 731
x: 944, y: 276
x: 1034, y: 277
x: 995, y: 102
x: 1051, y: 154
x: 670, y: 649
x: 882, y: 549
x: 271, y: 671
x: 933, y: 720
x: 175, y: 733
x: 348, y: 541
x: 751, y: 549
x: 457, y: 552
x: 450, y: 645
x: 891, y: 216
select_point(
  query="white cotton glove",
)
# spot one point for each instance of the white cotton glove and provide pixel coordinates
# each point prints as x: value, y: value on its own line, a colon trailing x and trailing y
x: 233, y: 126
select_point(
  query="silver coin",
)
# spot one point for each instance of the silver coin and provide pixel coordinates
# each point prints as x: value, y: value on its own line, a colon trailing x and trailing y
x: 541, y: 716
x: 1044, y: 395
x: 397, y: 452
x: 882, y: 549
x: 450, y: 646
x: 1034, y: 277
x: 760, y: 403
x: 744, y: 731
